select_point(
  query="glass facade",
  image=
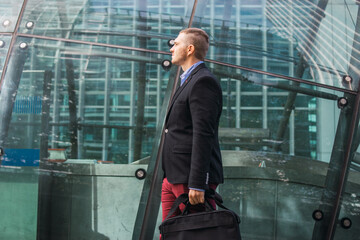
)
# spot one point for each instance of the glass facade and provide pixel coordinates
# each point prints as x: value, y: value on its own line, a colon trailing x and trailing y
x: 85, y: 86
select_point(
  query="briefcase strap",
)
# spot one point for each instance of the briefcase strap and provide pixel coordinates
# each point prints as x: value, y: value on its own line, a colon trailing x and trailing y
x: 183, y: 198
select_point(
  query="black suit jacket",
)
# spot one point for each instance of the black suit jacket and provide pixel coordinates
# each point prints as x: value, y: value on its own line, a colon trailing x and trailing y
x: 191, y: 152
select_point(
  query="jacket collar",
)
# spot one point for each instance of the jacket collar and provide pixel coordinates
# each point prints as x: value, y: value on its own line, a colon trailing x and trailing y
x: 182, y: 87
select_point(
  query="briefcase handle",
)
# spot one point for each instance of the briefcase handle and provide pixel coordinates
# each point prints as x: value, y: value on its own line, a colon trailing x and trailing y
x: 184, y: 198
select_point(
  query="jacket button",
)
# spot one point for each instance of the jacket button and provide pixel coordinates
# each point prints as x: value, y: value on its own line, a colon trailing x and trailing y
x: 166, y: 130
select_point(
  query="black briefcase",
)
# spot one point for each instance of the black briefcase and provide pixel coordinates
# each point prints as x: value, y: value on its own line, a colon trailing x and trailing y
x: 208, y: 225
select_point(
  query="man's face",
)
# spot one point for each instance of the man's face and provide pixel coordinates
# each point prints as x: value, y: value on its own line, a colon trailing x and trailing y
x: 179, y: 50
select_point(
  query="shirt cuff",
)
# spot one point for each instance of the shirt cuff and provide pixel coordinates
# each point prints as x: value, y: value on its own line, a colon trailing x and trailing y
x: 197, y: 189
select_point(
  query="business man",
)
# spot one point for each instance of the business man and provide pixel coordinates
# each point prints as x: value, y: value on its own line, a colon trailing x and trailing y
x: 191, y: 157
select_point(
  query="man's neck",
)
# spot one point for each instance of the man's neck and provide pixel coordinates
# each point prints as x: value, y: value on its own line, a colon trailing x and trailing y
x: 189, y: 63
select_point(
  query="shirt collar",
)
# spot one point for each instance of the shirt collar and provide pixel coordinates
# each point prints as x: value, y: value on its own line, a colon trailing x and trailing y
x: 186, y: 74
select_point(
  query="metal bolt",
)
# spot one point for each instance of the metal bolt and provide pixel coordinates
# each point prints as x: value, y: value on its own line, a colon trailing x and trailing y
x: 166, y: 63
x: 140, y: 173
x: 23, y: 45
x: 6, y: 23
x: 342, y: 102
x: 171, y: 42
x: 29, y: 25
x: 347, y: 78
x: 2, y: 44
x: 318, y: 215
x: 346, y: 223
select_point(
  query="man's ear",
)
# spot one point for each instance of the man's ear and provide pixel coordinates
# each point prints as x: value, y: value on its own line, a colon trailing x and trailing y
x: 190, y: 50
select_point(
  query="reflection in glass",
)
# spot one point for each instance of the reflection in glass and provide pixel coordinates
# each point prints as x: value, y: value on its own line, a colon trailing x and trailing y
x: 9, y: 14
x: 92, y: 90
x: 111, y: 22
x: 281, y: 36
x: 254, y: 101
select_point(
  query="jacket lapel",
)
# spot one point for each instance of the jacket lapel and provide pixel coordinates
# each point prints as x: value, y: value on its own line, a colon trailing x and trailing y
x: 181, y: 88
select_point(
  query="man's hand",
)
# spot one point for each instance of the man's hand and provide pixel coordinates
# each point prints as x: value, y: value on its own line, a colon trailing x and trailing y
x: 196, y: 197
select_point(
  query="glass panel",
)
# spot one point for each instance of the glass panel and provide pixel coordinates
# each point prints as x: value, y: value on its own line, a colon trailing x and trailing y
x: 274, y: 171
x: 18, y: 184
x: 4, y: 47
x: 90, y: 112
x: 9, y: 14
x: 281, y: 36
x: 82, y: 109
x: 112, y: 22
x: 19, y: 195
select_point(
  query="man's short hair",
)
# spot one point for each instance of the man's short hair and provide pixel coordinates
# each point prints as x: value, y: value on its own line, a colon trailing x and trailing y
x: 199, y: 39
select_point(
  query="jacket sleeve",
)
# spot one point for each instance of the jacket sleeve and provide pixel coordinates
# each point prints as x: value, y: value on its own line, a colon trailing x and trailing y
x: 205, y: 107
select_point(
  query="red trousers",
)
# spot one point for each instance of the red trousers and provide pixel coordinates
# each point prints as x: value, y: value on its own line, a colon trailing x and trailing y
x: 170, y: 192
